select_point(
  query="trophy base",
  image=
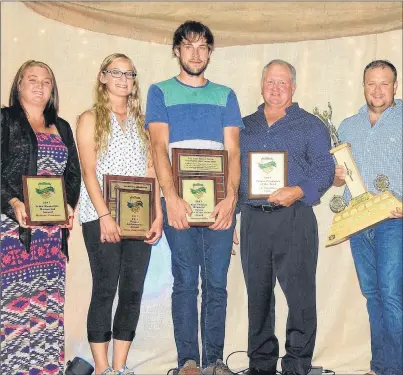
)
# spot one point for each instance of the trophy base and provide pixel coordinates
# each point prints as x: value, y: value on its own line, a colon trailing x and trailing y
x: 362, y: 212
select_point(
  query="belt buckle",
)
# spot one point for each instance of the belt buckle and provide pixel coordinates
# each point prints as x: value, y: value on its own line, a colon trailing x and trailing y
x: 267, y: 208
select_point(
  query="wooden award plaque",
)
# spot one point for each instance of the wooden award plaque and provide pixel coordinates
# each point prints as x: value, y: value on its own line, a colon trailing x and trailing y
x: 134, y: 212
x: 113, y: 182
x: 267, y: 172
x: 45, y: 200
x: 200, y: 178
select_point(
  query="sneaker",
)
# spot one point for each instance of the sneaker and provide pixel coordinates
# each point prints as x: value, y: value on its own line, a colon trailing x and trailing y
x: 217, y: 368
x: 125, y: 371
x: 189, y: 368
x: 109, y: 371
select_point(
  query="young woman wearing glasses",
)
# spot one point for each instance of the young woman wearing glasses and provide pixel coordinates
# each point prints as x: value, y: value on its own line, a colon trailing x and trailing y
x: 111, y: 140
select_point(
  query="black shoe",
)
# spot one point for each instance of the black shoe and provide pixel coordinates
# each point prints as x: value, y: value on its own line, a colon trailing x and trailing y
x: 257, y: 371
x: 290, y: 373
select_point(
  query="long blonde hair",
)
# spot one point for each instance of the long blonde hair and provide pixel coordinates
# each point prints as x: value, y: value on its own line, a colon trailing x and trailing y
x: 102, y: 108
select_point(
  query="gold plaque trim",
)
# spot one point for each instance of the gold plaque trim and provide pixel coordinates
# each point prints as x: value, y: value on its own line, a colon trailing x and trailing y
x: 201, y: 163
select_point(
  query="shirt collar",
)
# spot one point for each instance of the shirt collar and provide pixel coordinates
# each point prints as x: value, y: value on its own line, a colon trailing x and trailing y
x: 293, y: 108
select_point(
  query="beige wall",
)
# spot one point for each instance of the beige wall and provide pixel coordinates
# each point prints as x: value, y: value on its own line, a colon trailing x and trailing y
x: 326, y: 71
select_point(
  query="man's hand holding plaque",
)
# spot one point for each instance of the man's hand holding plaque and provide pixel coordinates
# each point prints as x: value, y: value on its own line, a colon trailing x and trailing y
x: 286, y: 196
x: 178, y: 211
x: 223, y: 213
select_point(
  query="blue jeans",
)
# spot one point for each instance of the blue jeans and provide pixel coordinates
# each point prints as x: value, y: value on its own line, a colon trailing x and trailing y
x: 377, y: 254
x: 209, y: 251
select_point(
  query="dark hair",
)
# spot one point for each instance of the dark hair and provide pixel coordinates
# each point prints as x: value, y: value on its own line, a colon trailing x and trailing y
x: 381, y: 64
x: 52, y: 107
x: 193, y: 31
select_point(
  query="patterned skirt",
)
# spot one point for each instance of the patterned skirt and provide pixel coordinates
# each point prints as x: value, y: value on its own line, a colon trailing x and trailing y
x: 32, y: 286
x: 32, y: 302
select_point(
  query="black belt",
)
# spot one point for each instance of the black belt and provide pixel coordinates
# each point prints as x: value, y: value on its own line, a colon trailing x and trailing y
x: 266, y: 207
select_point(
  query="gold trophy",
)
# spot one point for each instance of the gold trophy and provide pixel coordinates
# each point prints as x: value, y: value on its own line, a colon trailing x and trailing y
x: 365, y: 209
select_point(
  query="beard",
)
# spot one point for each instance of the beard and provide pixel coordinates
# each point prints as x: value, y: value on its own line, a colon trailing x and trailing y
x: 377, y: 105
x: 193, y: 71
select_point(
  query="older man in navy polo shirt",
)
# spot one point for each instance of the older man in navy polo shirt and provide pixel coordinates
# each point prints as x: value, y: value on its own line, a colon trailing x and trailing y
x: 279, y: 236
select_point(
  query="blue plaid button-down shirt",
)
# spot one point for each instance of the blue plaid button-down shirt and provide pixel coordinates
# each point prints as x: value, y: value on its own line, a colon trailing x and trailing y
x: 376, y: 149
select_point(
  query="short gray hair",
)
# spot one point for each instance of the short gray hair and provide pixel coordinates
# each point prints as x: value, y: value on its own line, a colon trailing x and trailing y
x: 281, y: 62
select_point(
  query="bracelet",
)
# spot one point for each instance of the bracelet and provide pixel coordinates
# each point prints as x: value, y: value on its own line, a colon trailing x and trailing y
x: 104, y: 215
x: 12, y: 201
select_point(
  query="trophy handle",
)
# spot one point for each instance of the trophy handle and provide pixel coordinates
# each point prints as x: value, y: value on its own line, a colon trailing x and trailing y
x: 354, y: 182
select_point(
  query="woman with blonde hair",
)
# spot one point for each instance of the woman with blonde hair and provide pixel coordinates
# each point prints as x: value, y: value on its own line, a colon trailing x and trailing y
x: 34, y: 141
x: 112, y: 140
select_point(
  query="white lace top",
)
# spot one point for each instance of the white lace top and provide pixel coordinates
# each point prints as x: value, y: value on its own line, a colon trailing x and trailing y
x: 125, y: 156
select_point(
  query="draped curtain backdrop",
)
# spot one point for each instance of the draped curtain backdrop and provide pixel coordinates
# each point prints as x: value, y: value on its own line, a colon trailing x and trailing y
x: 328, y: 43
x: 234, y: 23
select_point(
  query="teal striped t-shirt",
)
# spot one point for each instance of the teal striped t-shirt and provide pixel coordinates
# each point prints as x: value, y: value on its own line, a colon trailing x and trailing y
x: 193, y: 113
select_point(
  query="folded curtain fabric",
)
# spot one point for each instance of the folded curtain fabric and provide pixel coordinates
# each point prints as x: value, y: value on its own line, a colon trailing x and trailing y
x: 233, y: 23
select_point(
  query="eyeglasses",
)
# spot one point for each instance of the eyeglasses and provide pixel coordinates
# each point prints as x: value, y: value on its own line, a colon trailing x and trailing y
x: 116, y: 73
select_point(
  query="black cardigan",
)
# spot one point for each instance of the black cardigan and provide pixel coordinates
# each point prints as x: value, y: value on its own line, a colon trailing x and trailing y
x: 19, y: 154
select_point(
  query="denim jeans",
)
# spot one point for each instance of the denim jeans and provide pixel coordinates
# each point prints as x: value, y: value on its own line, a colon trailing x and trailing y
x: 377, y: 254
x: 195, y: 250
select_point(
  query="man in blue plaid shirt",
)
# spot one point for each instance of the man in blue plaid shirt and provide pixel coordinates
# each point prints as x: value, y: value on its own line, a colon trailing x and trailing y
x: 375, y: 135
